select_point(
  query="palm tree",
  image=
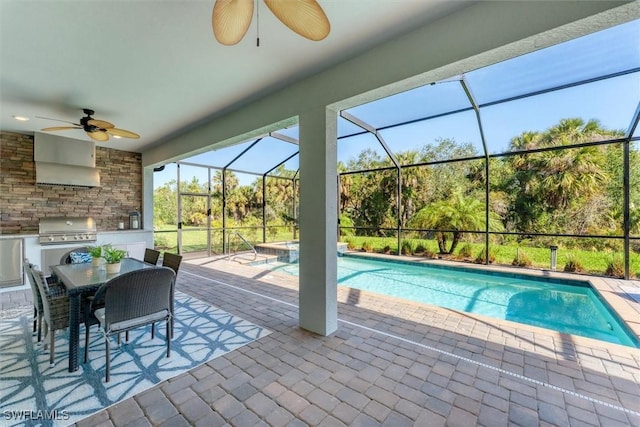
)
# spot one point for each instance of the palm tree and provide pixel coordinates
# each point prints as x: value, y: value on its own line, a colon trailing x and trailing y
x: 453, y: 217
x: 571, y: 175
x: 547, y: 188
x: 527, y: 141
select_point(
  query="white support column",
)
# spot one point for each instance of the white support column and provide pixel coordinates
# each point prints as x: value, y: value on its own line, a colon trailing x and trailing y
x: 318, y: 296
x: 147, y: 198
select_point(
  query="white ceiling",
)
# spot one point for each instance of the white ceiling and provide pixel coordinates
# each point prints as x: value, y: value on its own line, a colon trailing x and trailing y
x: 154, y: 67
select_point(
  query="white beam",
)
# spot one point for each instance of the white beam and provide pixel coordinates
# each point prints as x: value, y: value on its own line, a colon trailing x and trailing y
x: 481, y: 34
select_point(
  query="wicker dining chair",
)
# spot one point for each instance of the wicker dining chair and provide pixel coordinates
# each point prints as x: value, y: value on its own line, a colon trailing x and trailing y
x: 66, y: 258
x: 55, y: 307
x: 38, y: 310
x: 172, y: 261
x: 131, y: 300
x: 151, y: 256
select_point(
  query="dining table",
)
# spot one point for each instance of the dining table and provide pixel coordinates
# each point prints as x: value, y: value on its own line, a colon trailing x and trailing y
x: 82, y: 280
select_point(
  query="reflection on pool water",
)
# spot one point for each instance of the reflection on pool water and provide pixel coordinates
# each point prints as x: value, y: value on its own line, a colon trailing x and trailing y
x: 571, y: 307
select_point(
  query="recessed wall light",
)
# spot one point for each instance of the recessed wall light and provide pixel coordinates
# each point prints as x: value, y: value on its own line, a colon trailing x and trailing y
x: 21, y: 118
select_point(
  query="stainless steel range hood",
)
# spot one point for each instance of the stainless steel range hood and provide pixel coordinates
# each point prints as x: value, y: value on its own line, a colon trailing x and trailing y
x: 64, y: 161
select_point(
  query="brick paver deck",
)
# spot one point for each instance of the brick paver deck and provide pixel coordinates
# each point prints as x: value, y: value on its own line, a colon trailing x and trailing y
x: 391, y: 363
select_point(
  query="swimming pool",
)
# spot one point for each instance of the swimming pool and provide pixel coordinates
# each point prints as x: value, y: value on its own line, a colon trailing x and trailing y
x: 571, y: 307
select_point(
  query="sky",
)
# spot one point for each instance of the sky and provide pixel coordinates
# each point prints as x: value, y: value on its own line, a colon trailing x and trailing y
x: 612, y: 102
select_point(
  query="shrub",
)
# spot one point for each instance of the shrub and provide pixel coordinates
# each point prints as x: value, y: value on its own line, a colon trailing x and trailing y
x: 615, y: 267
x: 573, y: 264
x: 466, y: 251
x: 367, y: 246
x: 481, y: 258
x: 345, y: 221
x: 386, y: 249
x: 429, y: 253
x: 273, y: 232
x: 160, y: 242
x: 351, y: 244
x: 522, y: 260
x: 407, y: 249
x: 420, y: 249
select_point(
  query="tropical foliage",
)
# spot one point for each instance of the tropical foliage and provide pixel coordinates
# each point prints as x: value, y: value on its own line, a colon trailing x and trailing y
x: 451, y: 218
x: 553, y: 182
x: 559, y: 181
x: 243, y: 202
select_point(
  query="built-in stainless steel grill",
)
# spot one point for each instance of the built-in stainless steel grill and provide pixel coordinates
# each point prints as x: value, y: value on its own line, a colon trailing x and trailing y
x: 57, y: 230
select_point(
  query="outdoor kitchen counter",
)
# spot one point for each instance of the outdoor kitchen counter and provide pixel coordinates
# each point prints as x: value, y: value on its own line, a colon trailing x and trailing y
x: 33, y: 248
x: 26, y: 235
x: 18, y: 235
x: 123, y: 231
x: 35, y: 234
x: 134, y: 241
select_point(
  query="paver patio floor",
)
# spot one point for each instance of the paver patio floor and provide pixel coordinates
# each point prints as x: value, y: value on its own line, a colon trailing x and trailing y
x: 390, y: 362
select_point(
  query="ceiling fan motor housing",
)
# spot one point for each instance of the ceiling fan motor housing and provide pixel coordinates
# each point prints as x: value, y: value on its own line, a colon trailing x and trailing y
x: 85, y: 122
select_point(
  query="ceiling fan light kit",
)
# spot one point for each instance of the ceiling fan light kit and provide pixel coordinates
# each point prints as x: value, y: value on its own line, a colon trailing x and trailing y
x: 98, y: 130
x: 231, y: 18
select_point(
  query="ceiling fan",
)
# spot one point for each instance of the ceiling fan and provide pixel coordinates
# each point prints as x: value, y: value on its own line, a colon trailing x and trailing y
x: 231, y: 18
x: 98, y: 130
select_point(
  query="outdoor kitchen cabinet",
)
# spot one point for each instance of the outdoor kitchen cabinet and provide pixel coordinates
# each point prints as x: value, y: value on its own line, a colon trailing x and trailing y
x: 11, y: 262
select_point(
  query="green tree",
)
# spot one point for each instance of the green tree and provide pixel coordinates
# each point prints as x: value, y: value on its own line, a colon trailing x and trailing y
x: 452, y: 218
x: 279, y: 198
x: 451, y: 177
x: 367, y: 198
x: 165, y: 204
x: 194, y: 208
x: 634, y: 189
x: 558, y: 190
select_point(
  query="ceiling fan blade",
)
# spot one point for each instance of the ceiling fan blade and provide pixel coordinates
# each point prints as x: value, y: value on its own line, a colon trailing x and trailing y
x: 304, y: 17
x: 231, y: 20
x: 98, y: 136
x: 100, y: 124
x: 60, y: 128
x: 123, y: 133
x: 58, y: 120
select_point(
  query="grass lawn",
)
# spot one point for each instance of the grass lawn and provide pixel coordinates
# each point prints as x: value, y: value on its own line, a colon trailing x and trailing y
x: 195, y: 240
x: 595, y: 262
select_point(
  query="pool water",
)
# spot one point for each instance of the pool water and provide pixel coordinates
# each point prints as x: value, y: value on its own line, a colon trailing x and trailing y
x: 571, y: 307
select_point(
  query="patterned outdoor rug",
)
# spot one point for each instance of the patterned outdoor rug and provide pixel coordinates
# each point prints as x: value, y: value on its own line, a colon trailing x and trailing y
x: 32, y: 393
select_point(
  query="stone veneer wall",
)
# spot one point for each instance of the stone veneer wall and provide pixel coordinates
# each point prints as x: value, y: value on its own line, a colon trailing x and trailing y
x: 23, y: 203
